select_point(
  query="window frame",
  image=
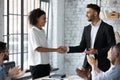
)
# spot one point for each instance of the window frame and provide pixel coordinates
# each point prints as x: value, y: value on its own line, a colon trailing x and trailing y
x: 22, y: 34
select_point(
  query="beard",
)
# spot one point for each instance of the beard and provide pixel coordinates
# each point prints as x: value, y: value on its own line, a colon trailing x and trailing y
x: 89, y: 20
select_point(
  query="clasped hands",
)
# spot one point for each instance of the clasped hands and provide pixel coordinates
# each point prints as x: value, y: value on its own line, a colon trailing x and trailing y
x: 62, y: 49
x: 91, y: 51
x: 91, y: 60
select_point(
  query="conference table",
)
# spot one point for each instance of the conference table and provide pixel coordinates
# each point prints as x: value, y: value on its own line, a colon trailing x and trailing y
x: 73, y: 77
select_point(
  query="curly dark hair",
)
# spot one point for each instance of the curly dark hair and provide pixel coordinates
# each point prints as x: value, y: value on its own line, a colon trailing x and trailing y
x: 34, y: 15
x: 94, y: 7
x: 2, y: 46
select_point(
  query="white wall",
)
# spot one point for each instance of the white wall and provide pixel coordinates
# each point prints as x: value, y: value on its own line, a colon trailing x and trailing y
x: 60, y: 32
x: 75, y: 20
x: 1, y: 19
x: 57, y: 32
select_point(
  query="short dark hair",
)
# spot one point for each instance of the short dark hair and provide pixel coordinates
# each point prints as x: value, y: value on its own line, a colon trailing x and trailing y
x: 2, y: 46
x: 34, y: 15
x: 94, y: 7
x: 117, y: 47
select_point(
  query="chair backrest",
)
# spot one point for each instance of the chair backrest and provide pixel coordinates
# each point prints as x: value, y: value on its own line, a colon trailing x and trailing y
x: 8, y: 65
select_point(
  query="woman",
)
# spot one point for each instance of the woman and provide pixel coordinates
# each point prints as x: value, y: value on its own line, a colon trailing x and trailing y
x: 38, y: 55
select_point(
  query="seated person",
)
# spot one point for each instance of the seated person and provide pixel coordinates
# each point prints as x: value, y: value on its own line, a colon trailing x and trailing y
x: 114, y: 72
x: 13, y: 73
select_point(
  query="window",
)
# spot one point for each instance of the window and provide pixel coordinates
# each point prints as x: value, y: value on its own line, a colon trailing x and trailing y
x: 16, y: 28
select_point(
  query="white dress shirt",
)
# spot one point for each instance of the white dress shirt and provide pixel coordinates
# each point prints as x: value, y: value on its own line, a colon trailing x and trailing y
x: 94, y: 30
x: 36, y: 38
x: 112, y: 74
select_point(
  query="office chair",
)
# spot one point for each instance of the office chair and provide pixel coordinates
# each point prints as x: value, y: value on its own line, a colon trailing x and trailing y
x: 8, y: 65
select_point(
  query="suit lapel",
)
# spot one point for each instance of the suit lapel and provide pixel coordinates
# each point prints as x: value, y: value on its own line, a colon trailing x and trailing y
x: 98, y: 33
x: 89, y: 36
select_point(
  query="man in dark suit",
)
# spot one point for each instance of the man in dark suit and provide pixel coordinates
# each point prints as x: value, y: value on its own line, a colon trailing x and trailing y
x: 97, y: 38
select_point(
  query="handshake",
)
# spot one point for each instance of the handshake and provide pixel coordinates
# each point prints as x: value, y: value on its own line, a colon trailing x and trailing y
x: 61, y: 49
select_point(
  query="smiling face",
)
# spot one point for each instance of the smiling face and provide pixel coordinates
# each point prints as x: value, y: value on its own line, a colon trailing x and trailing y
x: 91, y: 14
x: 41, y: 21
x: 4, y: 55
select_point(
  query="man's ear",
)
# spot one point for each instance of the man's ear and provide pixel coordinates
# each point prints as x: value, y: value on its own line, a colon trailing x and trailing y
x: 117, y: 54
x: 95, y: 13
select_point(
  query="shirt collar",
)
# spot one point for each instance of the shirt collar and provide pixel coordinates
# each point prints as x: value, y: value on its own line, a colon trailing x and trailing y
x: 115, y: 67
x: 37, y: 28
x: 98, y: 23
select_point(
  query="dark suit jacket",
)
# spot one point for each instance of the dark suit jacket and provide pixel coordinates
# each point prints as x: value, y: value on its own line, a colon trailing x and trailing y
x: 105, y: 38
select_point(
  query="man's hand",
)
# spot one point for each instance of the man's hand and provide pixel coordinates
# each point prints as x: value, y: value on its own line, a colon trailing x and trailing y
x: 91, y: 51
x: 62, y: 49
x: 16, y: 72
x: 20, y: 73
x: 92, y: 61
x: 84, y: 73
